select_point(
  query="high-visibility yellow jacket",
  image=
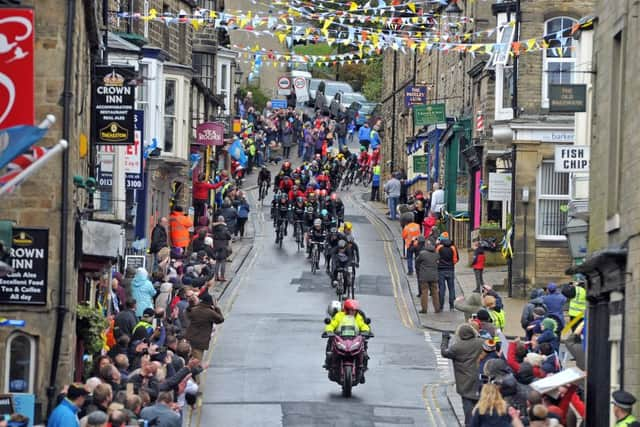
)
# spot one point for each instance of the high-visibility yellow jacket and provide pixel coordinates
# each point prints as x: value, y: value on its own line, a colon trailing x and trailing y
x: 342, y: 318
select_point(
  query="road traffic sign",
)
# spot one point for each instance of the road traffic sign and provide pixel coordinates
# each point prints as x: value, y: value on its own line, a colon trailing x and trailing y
x: 284, y: 82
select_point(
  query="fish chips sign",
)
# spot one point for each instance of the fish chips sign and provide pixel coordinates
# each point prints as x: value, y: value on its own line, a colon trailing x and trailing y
x: 210, y: 133
x: 16, y: 67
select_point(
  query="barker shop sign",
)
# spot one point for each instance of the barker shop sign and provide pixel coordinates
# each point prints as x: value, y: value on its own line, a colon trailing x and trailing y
x: 114, y: 94
x: 29, y: 260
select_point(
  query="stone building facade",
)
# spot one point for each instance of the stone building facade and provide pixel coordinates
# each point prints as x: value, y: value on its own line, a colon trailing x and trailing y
x: 612, y: 267
x: 27, y: 351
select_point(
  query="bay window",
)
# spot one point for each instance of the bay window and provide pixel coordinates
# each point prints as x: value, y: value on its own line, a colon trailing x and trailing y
x: 559, y: 58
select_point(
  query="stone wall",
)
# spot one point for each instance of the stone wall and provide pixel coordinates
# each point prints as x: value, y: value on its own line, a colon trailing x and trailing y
x: 37, y: 202
x: 610, y: 168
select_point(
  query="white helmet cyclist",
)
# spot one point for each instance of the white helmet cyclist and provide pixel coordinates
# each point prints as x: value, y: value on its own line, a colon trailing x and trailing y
x: 317, y: 222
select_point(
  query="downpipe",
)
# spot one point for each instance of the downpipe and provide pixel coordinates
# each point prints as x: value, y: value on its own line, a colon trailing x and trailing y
x: 62, y: 309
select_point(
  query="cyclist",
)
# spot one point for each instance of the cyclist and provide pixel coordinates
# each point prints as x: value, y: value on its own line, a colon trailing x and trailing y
x: 375, y: 157
x: 323, y: 181
x: 295, y: 192
x: 341, y: 258
x: 285, y: 184
x: 315, y: 236
x: 363, y: 159
x: 347, y: 228
x: 282, y: 213
x: 286, y: 168
x: 336, y: 208
x: 333, y: 237
x: 264, y: 176
x: 327, y: 221
x: 298, y: 213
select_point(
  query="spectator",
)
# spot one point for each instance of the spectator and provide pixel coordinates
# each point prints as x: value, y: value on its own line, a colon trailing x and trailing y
x: 491, y: 409
x: 469, y: 304
x: 221, y: 238
x: 142, y: 291
x: 230, y: 215
x: 162, y: 412
x: 446, y: 269
x: 202, y: 317
x: 478, y: 264
x: 179, y: 226
x: 159, y: 237
x: 497, y: 315
x: 243, y: 214
x: 427, y: 272
x: 535, y: 300
x: 464, y: 350
x: 392, y: 190
x: 555, y: 304
x: 409, y: 233
x: 375, y: 184
x: 437, y: 201
x: 65, y: 414
x: 125, y: 321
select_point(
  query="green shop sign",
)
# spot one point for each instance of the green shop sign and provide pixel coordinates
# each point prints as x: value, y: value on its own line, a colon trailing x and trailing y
x: 430, y: 114
x: 420, y: 164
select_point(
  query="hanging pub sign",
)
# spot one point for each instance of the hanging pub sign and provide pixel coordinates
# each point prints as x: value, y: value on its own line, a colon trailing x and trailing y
x: 17, y: 41
x: 567, y: 98
x: 210, y: 133
x: 415, y: 95
x: 29, y: 259
x: 114, y: 94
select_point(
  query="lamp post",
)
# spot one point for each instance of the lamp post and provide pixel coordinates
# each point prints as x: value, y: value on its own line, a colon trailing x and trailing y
x: 237, y: 81
x: 576, y: 231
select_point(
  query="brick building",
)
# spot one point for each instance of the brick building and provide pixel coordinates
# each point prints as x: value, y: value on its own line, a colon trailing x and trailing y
x: 31, y: 361
x: 613, y: 240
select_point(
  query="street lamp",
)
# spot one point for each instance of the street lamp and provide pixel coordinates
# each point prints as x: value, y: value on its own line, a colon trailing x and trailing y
x: 237, y: 76
x: 576, y: 231
x: 453, y: 8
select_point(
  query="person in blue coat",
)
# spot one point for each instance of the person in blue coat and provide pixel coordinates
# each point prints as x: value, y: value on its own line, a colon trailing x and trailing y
x: 243, y: 214
x: 66, y: 413
x: 364, y: 135
x: 142, y: 291
x: 555, y: 301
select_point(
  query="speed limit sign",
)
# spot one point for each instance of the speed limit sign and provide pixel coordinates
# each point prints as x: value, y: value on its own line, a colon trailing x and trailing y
x: 284, y: 82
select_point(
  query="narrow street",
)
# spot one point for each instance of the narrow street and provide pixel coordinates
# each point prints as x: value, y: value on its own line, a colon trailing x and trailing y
x: 266, y: 361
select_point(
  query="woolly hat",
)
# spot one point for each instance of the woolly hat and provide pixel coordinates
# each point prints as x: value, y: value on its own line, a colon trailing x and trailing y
x: 444, y: 235
x: 549, y: 324
x: 539, y: 311
x: 206, y: 298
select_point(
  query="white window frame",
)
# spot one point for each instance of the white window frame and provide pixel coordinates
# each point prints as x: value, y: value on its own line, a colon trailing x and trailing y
x: 32, y: 361
x: 562, y: 59
x: 173, y: 116
x: 501, y: 112
x: 541, y: 197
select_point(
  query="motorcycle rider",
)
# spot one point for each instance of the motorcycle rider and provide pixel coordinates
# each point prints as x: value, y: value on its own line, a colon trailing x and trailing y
x: 350, y: 317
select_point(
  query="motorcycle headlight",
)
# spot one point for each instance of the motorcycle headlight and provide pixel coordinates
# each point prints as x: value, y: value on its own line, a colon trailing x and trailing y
x: 355, y: 346
x: 341, y: 346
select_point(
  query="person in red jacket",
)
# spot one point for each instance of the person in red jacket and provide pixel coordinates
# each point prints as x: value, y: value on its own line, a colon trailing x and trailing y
x: 201, y: 194
x: 478, y: 265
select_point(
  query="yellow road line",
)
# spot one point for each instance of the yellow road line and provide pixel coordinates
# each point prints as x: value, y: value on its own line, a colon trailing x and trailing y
x: 427, y: 405
x: 434, y: 399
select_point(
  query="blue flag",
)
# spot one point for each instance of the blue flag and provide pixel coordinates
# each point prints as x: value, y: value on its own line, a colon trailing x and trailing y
x: 16, y: 140
x: 236, y: 151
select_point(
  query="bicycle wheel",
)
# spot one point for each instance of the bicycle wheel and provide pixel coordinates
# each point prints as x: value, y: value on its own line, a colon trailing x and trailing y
x: 314, y: 259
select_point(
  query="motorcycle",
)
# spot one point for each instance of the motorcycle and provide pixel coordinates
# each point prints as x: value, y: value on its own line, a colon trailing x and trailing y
x: 348, y: 357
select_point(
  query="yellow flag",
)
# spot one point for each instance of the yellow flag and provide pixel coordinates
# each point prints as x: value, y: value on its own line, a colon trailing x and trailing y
x: 282, y: 37
x: 327, y: 22
x: 212, y: 14
x: 196, y: 24
x: 422, y: 46
x: 353, y: 6
x: 531, y: 43
x: 475, y: 47
x: 412, y: 6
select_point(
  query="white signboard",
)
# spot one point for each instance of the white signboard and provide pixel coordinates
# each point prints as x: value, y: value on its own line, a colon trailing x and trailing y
x: 300, y: 86
x: 572, y: 158
x: 544, y: 135
x: 499, y: 187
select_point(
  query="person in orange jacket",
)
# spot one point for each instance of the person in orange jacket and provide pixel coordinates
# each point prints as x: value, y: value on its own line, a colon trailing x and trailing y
x: 410, y: 232
x: 179, y: 226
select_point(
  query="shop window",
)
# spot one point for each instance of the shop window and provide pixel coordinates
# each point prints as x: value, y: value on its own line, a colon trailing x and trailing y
x: 20, y: 364
x: 553, y: 194
x: 559, y: 59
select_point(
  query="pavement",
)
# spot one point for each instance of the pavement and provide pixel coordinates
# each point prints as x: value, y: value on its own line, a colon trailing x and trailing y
x: 265, y: 360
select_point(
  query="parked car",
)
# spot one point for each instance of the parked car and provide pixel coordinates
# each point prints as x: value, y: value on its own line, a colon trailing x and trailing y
x: 366, y: 113
x: 350, y: 97
x: 333, y: 87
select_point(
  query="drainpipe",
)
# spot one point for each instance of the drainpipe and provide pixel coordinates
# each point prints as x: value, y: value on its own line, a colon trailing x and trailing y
x: 64, y: 209
x: 393, y: 111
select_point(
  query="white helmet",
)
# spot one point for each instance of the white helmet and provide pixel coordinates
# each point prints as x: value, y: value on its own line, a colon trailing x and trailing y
x: 334, y: 307
x: 317, y: 222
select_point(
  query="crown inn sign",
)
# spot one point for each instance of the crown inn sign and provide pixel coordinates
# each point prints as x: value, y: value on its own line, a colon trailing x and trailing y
x: 114, y: 102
